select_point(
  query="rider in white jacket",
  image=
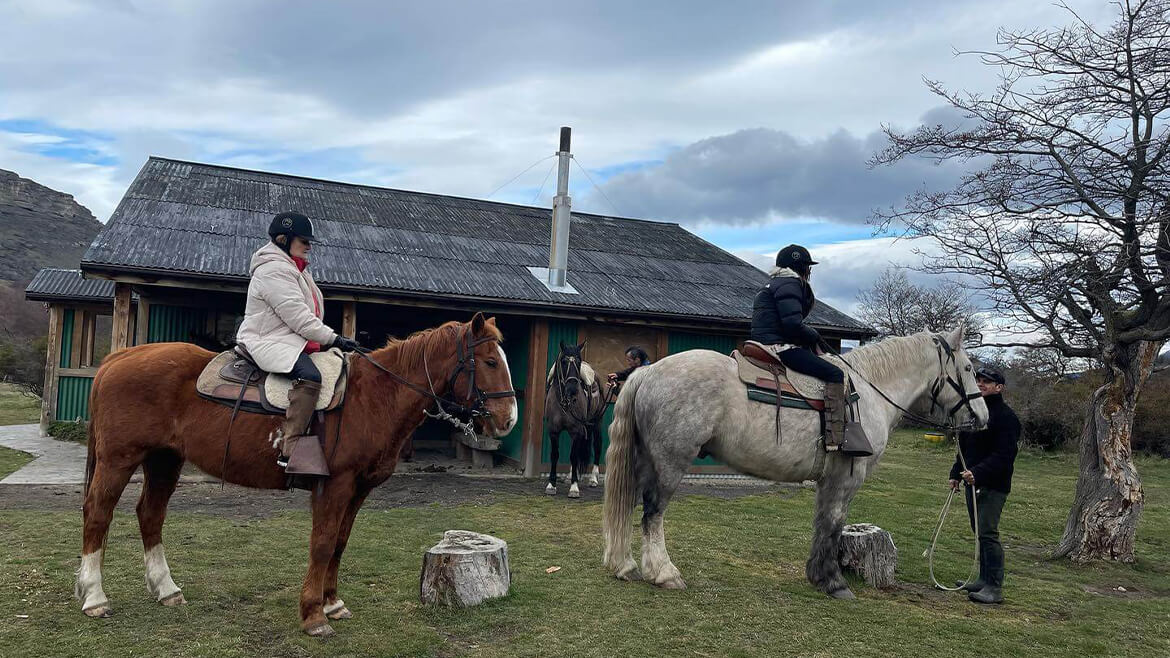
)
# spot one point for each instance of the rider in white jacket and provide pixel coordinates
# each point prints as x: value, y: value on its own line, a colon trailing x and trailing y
x: 282, y: 321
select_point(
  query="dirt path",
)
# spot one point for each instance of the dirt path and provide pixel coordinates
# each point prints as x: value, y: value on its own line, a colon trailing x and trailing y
x: 405, y: 490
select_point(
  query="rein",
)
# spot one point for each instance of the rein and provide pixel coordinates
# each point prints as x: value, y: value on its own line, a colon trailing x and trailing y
x: 475, y: 395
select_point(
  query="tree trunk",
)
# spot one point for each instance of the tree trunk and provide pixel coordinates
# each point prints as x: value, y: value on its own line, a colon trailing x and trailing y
x: 1104, y: 516
x: 465, y: 569
x: 869, y: 551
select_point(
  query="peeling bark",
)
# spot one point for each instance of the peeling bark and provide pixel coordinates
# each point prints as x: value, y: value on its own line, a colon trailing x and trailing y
x: 1103, y: 520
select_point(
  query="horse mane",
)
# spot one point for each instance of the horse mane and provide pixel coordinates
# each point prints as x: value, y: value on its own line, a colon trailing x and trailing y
x: 409, y: 351
x: 887, y: 358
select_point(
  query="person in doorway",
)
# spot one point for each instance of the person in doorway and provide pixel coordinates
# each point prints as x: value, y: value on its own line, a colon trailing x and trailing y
x: 636, y: 357
x: 778, y: 325
x: 282, y: 322
x: 990, y: 455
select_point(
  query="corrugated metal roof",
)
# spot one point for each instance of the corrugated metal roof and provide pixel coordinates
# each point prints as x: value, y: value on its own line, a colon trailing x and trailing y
x: 184, y: 217
x: 54, y: 284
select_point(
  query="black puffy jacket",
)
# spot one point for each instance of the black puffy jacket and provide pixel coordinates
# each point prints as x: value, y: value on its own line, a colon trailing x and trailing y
x: 780, y: 309
x: 991, y: 453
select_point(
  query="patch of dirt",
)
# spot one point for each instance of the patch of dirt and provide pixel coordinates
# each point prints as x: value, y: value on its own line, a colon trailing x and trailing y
x: 401, y: 490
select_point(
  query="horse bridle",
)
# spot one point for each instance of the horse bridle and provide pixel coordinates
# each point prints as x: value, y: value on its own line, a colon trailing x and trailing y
x: 946, y: 355
x: 475, y: 396
x: 562, y: 378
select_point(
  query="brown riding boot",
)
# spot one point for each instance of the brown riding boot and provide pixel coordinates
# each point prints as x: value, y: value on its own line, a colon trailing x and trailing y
x: 302, y: 401
x: 849, y: 438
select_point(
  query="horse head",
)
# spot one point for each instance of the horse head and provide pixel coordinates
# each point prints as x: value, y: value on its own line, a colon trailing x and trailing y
x: 569, y: 370
x: 481, y: 381
x: 955, y: 391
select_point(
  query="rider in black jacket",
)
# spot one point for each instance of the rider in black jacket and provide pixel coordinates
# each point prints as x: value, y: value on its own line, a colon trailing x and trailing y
x: 990, y: 456
x: 778, y: 315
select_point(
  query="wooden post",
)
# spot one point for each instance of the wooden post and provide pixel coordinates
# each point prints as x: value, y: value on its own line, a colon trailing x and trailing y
x: 76, y: 339
x: 663, y: 345
x: 534, y: 396
x: 88, y: 336
x: 141, y: 322
x: 120, y: 332
x: 52, y: 362
x: 349, y: 319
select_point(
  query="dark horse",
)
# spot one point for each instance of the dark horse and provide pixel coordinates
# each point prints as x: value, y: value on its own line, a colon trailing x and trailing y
x: 573, y: 404
x: 146, y: 412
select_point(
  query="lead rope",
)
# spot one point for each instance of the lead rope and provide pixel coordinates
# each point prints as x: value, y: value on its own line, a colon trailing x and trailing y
x: 942, y: 517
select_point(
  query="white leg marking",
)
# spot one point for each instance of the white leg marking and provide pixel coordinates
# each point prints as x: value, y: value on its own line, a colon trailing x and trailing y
x: 574, y: 491
x: 593, y: 476
x: 89, y: 582
x: 334, y: 607
x: 158, y: 574
x: 514, y: 415
x: 656, y: 565
x: 550, y: 489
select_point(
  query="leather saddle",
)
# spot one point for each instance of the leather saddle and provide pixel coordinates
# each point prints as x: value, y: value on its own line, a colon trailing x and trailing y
x: 768, y: 381
x: 232, y: 378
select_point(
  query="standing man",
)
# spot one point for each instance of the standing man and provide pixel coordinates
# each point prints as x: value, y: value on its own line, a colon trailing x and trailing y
x: 990, y: 456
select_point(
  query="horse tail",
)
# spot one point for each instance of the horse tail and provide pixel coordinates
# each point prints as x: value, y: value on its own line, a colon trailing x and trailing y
x: 621, y: 487
x: 91, y: 435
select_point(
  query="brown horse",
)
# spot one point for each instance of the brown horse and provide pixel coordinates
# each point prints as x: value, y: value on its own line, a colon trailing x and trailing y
x: 145, y: 411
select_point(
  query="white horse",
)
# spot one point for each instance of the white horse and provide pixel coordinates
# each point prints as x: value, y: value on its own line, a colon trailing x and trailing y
x: 694, y: 401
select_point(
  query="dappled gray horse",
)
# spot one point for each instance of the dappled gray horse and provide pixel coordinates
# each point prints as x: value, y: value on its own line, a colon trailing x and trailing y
x: 694, y: 401
x: 573, y: 404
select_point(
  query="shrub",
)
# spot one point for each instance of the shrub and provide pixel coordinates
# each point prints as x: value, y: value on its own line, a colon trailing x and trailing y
x: 64, y: 430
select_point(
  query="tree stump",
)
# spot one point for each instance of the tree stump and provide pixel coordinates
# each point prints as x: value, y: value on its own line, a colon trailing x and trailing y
x: 465, y: 569
x: 869, y: 551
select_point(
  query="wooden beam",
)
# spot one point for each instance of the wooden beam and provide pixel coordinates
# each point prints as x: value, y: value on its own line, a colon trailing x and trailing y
x: 142, y: 322
x: 533, y: 433
x: 120, y: 332
x: 52, y: 363
x: 76, y: 372
x: 663, y: 344
x: 349, y: 319
x: 88, y: 337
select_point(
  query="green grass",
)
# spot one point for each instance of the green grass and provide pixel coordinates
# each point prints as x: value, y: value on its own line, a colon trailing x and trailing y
x: 743, y: 560
x: 17, y: 408
x: 11, y: 461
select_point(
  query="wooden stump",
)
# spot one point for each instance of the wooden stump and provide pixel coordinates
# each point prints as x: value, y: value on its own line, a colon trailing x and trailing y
x: 465, y: 569
x: 869, y: 551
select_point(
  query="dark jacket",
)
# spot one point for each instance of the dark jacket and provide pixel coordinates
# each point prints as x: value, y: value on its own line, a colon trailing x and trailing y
x: 623, y: 375
x: 991, y: 453
x: 780, y: 309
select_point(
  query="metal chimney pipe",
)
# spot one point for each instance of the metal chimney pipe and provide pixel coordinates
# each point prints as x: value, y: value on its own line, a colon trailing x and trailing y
x: 558, y: 255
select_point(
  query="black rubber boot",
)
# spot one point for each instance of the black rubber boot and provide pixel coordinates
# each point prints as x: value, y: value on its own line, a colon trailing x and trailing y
x: 993, y: 592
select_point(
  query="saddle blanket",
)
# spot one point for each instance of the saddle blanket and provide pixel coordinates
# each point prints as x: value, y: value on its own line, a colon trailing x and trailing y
x: 587, y: 374
x: 276, y: 387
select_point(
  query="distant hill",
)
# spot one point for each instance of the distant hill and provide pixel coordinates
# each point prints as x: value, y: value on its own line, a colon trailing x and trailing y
x: 40, y: 227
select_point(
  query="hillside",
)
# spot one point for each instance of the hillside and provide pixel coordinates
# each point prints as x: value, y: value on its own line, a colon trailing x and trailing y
x: 40, y: 227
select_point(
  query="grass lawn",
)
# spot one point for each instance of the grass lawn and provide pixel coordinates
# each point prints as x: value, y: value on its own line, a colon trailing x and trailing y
x: 16, y: 408
x: 743, y: 560
x: 10, y: 462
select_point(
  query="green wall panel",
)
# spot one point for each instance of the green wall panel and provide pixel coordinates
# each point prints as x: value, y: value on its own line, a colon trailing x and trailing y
x: 516, y: 349
x: 175, y: 323
x: 73, y: 397
x: 66, y: 336
x: 681, y: 342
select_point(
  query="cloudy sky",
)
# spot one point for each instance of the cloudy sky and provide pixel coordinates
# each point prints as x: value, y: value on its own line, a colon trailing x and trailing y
x: 747, y: 122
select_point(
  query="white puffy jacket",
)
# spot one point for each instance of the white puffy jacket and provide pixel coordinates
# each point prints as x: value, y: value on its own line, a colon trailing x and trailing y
x: 279, y: 317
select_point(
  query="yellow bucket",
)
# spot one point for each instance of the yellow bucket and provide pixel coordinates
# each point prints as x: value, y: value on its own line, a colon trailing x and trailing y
x: 933, y: 437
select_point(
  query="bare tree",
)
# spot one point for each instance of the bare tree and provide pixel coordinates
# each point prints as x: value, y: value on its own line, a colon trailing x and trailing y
x: 896, y: 307
x: 1065, y: 223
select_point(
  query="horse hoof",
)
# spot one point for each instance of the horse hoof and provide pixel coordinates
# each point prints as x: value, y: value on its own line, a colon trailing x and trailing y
x: 844, y: 594
x: 99, y: 611
x: 629, y: 574
x: 320, y: 630
x: 673, y: 583
x: 174, y: 600
x: 338, y: 611
x: 550, y: 490
x: 574, y: 492
x: 593, y: 481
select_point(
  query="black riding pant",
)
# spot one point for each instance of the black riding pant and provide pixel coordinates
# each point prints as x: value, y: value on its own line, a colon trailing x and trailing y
x: 803, y: 360
x: 305, y: 369
x: 990, y: 550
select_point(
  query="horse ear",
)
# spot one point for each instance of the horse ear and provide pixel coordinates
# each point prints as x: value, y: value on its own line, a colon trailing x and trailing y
x: 956, y: 336
x: 581, y: 347
x: 562, y: 346
x: 477, y: 324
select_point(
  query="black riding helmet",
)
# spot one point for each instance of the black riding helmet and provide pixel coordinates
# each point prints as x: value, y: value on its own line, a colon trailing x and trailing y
x: 292, y: 224
x: 794, y: 256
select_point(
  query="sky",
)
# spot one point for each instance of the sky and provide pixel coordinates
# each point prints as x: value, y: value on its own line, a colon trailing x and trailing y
x: 749, y: 123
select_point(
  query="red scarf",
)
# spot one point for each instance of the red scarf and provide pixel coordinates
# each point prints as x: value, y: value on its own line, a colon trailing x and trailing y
x: 311, y: 346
